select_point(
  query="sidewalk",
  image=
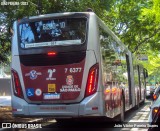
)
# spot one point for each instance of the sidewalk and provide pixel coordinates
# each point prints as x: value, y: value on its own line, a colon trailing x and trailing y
x: 5, y: 100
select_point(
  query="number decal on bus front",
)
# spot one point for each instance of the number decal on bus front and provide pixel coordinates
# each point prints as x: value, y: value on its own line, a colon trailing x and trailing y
x: 73, y: 70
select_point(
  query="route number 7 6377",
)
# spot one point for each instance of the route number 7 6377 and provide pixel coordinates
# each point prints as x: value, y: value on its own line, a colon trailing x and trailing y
x: 73, y: 70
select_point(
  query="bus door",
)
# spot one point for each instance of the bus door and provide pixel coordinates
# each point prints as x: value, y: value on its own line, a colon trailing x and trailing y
x: 129, y: 92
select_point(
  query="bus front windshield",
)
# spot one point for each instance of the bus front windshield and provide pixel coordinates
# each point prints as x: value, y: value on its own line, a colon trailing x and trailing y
x: 53, y: 32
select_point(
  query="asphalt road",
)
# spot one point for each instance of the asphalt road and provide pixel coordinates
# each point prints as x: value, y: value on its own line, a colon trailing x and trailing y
x: 5, y: 100
x: 135, y: 119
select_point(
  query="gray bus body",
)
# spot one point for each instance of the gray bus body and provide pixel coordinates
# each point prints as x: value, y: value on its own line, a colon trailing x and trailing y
x: 78, y: 69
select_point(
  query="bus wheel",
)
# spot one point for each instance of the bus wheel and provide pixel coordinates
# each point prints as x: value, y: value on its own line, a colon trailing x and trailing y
x: 122, y: 108
x: 63, y: 121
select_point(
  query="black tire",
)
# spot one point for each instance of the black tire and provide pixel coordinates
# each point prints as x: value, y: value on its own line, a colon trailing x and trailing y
x: 63, y: 121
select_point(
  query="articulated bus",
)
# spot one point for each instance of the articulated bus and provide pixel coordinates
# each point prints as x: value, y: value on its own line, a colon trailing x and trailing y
x: 71, y: 65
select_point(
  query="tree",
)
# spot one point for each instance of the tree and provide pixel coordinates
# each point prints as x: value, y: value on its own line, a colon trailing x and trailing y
x: 136, y: 22
x: 10, y: 13
x: 126, y: 20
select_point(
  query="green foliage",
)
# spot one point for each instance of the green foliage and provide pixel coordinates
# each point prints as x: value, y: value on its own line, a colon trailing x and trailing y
x: 10, y: 13
x: 127, y: 24
x: 152, y: 13
x: 136, y: 22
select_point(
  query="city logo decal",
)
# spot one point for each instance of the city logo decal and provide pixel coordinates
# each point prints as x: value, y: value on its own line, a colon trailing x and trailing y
x: 33, y: 74
x: 69, y: 80
x: 70, y: 85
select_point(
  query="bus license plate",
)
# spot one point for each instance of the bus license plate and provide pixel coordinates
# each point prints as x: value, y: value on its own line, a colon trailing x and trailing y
x: 51, y: 96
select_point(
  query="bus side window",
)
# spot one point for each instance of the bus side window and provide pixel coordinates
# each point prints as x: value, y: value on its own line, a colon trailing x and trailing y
x: 108, y: 57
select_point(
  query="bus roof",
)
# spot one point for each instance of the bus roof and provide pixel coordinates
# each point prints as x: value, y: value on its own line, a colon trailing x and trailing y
x: 56, y: 15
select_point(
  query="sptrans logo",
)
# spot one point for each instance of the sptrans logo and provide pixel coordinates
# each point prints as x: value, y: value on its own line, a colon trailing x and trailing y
x: 33, y: 74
